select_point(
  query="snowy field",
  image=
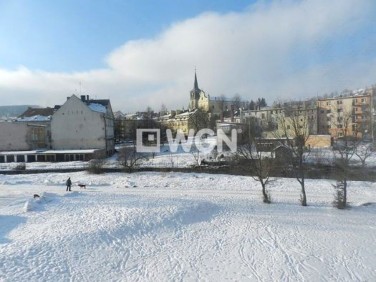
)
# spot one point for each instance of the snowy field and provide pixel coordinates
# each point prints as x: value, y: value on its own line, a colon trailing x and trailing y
x: 182, y: 227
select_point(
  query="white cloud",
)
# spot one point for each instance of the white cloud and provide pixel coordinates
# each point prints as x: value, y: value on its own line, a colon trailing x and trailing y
x: 252, y: 53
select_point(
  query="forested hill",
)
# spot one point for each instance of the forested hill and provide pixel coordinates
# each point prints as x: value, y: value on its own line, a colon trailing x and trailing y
x: 14, y: 111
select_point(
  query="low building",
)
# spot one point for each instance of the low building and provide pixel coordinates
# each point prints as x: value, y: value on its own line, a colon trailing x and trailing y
x: 30, y: 131
x: 49, y: 155
x: 39, y: 119
x: 178, y: 122
x: 319, y: 141
x: 14, y: 136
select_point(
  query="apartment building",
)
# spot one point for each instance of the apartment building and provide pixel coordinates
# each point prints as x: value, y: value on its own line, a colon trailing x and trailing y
x: 346, y: 115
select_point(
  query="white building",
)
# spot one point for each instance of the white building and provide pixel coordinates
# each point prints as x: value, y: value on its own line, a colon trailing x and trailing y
x: 81, y: 124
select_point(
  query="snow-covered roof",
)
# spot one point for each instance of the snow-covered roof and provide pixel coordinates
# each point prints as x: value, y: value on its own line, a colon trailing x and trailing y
x: 186, y: 113
x: 165, y: 116
x: 35, y: 118
x: 86, y: 151
x: 97, y: 108
x: 19, y: 152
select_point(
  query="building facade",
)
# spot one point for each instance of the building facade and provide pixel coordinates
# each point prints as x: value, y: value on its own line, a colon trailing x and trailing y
x: 272, y: 122
x: 30, y: 131
x: 346, y: 116
x: 83, y: 124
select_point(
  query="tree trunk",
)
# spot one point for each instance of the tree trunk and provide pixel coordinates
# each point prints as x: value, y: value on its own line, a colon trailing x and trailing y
x: 265, y: 195
x: 344, y: 192
x: 304, y: 196
x: 302, y: 184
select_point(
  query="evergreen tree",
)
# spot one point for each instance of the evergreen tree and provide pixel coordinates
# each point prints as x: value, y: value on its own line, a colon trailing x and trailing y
x: 252, y: 105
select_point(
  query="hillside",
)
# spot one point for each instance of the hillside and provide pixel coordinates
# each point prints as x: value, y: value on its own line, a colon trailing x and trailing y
x: 14, y: 111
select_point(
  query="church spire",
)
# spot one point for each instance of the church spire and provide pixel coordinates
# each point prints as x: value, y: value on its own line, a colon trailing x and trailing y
x: 196, y: 84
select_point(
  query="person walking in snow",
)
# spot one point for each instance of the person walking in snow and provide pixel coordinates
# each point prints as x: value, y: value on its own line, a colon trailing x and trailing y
x: 69, y: 184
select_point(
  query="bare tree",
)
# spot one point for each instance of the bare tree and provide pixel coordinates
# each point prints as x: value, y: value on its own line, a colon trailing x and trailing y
x: 119, y: 131
x: 237, y: 102
x: 163, y: 110
x: 344, y: 150
x: 363, y: 152
x: 260, y: 164
x: 221, y: 106
x: 293, y: 127
x: 130, y: 159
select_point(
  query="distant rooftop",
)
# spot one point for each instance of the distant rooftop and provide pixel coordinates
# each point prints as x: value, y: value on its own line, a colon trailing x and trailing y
x: 32, y: 112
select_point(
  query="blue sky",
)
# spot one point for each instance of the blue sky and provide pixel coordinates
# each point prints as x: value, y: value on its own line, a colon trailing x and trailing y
x: 73, y: 35
x: 143, y: 53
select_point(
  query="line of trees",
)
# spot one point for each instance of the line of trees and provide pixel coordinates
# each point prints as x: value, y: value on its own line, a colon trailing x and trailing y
x: 293, y: 132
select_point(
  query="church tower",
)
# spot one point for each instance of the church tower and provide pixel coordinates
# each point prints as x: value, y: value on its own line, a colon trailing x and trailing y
x: 195, y: 95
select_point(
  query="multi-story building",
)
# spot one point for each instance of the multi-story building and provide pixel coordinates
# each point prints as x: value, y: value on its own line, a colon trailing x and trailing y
x: 83, y: 124
x: 279, y: 121
x: 346, y: 116
x: 80, y: 129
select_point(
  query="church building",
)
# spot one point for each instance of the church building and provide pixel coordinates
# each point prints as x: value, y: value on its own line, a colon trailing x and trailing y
x: 199, y: 99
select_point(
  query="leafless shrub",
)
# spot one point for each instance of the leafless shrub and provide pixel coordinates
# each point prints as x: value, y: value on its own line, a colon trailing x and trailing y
x: 95, y: 166
x: 130, y: 159
x: 20, y: 166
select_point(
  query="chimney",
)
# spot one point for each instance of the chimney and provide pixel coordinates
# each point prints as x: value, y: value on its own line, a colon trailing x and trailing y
x: 83, y: 98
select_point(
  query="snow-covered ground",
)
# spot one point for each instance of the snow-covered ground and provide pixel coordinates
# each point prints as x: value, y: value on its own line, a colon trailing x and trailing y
x: 182, y: 227
x: 182, y: 159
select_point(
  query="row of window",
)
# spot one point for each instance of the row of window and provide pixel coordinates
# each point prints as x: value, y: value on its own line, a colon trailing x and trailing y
x: 339, y: 102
